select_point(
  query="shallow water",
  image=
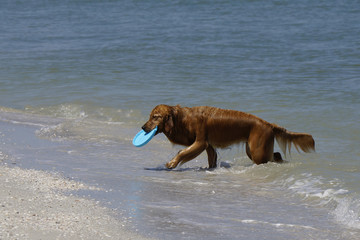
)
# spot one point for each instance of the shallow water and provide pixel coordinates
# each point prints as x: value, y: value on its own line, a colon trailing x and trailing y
x: 79, y: 78
x: 297, y: 199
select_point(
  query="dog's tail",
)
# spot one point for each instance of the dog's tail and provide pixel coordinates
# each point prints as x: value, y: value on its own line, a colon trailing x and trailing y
x: 285, y: 138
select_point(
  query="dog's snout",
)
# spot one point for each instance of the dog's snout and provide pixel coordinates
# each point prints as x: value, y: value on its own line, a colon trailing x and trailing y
x: 146, y: 129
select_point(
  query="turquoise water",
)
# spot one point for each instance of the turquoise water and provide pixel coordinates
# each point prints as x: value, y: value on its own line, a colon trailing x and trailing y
x: 79, y: 78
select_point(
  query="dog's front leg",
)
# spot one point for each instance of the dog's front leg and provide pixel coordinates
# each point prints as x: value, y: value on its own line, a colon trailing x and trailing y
x: 212, y: 156
x: 187, y: 154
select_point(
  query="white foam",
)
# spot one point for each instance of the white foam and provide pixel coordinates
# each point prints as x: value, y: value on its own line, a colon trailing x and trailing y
x: 347, y: 212
x: 342, y: 205
x: 3, y: 156
x: 315, y: 190
x: 277, y: 225
x: 58, y: 131
x: 71, y: 111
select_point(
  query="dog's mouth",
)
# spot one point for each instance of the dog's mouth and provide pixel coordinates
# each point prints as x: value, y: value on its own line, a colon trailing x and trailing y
x: 157, y: 131
x: 146, y: 130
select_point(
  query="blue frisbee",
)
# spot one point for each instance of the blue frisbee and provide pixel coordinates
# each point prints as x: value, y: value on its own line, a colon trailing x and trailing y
x: 143, y: 138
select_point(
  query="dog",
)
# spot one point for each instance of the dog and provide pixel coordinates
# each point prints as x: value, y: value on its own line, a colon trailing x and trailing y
x: 207, y: 128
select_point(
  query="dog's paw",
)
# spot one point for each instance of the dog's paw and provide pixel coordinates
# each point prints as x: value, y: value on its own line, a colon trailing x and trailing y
x: 170, y: 165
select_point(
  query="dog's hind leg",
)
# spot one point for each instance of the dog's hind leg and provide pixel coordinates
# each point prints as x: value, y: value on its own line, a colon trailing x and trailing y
x: 277, y: 157
x: 212, y: 156
x: 248, y: 150
x: 261, y: 146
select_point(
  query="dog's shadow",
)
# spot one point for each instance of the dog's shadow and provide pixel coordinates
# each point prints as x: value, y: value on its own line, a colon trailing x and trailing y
x: 163, y: 168
x: 225, y: 165
x: 195, y: 169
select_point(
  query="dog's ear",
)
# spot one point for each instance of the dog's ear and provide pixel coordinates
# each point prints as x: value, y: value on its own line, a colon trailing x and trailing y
x: 169, y: 123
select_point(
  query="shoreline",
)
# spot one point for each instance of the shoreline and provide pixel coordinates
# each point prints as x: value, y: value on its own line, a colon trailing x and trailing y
x: 39, y: 205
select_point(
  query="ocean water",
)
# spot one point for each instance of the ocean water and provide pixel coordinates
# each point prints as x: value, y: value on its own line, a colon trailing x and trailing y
x: 79, y: 78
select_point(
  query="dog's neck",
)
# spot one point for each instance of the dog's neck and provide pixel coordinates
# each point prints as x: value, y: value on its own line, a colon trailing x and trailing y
x: 176, y: 134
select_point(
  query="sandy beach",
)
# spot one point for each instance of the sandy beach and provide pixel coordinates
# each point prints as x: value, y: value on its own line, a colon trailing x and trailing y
x: 39, y: 205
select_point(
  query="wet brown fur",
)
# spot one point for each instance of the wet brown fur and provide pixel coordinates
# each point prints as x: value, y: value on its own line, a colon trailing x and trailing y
x: 206, y: 128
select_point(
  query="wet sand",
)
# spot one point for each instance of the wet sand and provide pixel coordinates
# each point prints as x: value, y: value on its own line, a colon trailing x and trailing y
x: 39, y: 205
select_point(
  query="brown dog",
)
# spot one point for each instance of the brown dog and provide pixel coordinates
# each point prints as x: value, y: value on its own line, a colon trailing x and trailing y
x: 205, y: 128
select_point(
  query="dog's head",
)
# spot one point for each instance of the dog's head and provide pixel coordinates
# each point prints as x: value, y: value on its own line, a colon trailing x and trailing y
x: 161, y: 116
